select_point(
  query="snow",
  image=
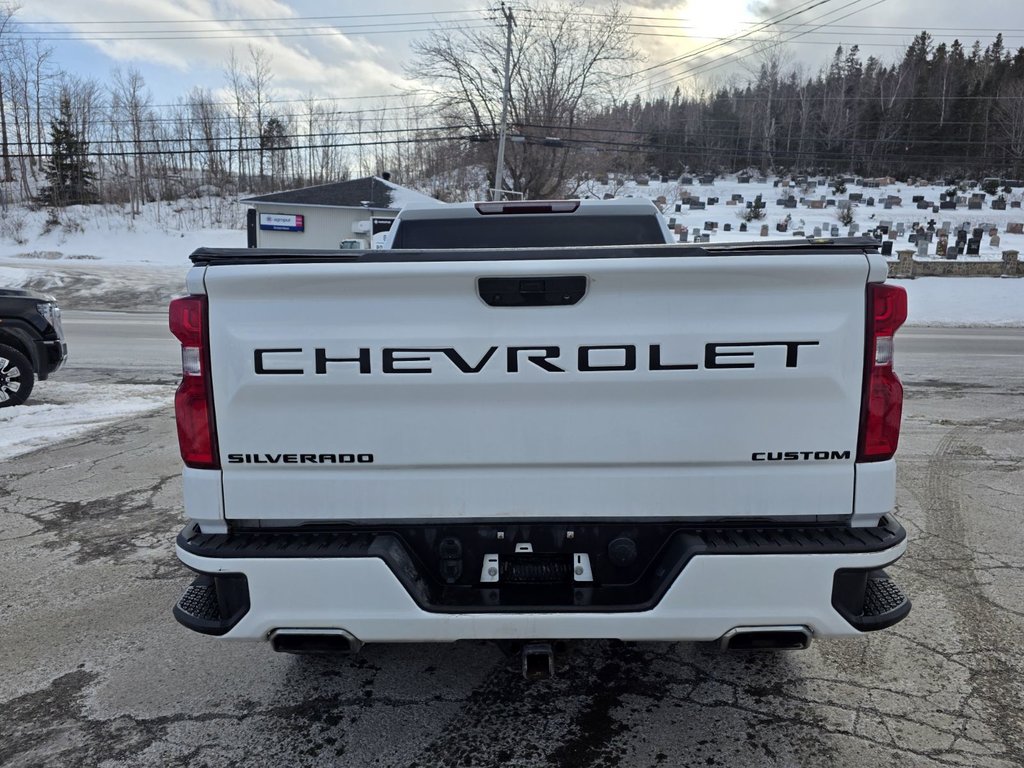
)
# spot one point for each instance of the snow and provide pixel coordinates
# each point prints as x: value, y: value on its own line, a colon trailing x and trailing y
x: 403, y: 196
x: 59, y: 410
x: 965, y: 301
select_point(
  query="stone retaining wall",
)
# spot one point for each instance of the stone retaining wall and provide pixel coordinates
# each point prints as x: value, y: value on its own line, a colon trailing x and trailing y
x: 906, y: 266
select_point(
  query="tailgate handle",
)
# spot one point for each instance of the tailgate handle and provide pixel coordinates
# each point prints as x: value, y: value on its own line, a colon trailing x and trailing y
x: 542, y: 291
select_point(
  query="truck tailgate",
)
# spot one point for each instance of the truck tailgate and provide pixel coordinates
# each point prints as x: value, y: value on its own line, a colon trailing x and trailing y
x: 694, y: 386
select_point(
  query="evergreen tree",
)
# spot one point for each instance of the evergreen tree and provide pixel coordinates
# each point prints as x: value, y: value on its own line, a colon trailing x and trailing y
x: 69, y: 173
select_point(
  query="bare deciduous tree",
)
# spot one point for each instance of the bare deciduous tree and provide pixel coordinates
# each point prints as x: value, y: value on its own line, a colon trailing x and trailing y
x: 565, y: 63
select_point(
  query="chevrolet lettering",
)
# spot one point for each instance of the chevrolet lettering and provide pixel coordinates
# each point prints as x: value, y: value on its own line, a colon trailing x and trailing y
x: 296, y: 361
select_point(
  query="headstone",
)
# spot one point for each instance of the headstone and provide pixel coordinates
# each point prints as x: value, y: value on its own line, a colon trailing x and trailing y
x: 712, y: 201
x: 679, y: 207
x: 892, y: 234
x: 743, y: 178
x: 854, y: 228
x: 923, y: 205
x: 798, y: 233
x: 973, y: 247
x: 816, y: 204
x: 707, y: 178
x: 948, y: 205
x: 922, y: 249
x: 727, y: 227
x: 976, y: 233
x: 790, y: 202
x: 974, y: 204
x: 780, y: 201
x: 851, y: 232
x: 835, y: 230
x: 731, y: 202
x: 737, y: 198
x: 672, y: 223
x: 710, y: 225
x: 743, y: 226
x: 1015, y: 228
x: 887, y: 248
x: 940, y: 247
x: 953, y: 251
x: 1015, y: 203
x: 994, y: 241
x: 686, y: 180
x: 684, y: 235
x: 901, y: 227
x: 871, y: 202
x: 697, y: 206
x: 856, y: 197
x: 917, y: 198
x: 992, y: 231
x: 764, y: 230
x: 817, y: 232
x: 888, y: 205
x: 912, y: 239
x: 830, y: 203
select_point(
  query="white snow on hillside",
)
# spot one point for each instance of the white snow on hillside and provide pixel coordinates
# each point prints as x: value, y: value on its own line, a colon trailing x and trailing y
x: 101, y: 257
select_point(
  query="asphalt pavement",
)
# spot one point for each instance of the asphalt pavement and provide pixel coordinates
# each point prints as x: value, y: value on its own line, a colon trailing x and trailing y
x: 94, y: 670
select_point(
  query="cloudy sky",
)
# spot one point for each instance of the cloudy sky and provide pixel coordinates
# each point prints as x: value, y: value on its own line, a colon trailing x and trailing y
x: 349, y: 49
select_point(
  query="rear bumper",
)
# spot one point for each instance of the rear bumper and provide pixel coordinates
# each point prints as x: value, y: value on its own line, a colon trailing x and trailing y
x: 375, y: 588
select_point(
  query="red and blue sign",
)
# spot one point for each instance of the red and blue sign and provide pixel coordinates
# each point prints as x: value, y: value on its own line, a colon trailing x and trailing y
x: 282, y: 222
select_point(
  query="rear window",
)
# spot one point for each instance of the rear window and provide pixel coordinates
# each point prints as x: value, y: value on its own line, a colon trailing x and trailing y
x: 526, y: 231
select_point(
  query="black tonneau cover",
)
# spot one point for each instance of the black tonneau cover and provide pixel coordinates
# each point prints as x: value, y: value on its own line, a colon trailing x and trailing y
x: 215, y: 256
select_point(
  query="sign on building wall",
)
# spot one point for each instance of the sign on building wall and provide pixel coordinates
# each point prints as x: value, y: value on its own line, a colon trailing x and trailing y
x: 282, y: 222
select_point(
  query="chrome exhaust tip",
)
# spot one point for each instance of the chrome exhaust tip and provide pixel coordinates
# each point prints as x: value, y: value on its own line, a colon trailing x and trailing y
x: 784, y: 638
x: 317, y: 642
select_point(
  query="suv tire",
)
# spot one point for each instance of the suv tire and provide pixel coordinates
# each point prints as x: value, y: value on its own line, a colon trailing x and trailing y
x: 16, y: 377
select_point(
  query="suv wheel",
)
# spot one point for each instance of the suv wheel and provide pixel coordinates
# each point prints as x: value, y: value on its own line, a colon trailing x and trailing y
x: 16, y: 377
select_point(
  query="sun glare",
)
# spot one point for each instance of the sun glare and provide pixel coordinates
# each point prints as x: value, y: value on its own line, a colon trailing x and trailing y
x: 707, y: 19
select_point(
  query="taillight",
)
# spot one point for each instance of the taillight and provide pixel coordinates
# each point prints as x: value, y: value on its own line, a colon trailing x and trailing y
x: 882, y: 400
x: 193, y: 402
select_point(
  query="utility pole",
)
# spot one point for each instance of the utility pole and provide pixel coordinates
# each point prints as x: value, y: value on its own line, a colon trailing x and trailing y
x: 499, y: 171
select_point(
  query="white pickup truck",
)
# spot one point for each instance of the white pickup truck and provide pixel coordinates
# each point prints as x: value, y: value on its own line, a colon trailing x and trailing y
x: 588, y: 432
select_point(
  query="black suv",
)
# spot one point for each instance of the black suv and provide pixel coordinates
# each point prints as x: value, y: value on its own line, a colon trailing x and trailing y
x: 31, y: 342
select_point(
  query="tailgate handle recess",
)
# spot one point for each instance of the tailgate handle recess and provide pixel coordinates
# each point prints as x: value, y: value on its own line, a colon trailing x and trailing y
x: 543, y: 291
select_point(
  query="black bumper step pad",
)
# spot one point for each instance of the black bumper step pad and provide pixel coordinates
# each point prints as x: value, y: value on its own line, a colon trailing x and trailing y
x: 212, y: 604
x: 869, y: 600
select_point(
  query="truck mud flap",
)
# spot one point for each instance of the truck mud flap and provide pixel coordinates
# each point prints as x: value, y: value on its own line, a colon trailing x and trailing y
x: 608, y: 566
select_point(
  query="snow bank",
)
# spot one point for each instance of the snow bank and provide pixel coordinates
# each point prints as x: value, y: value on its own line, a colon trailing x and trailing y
x: 57, y: 411
x: 965, y: 301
